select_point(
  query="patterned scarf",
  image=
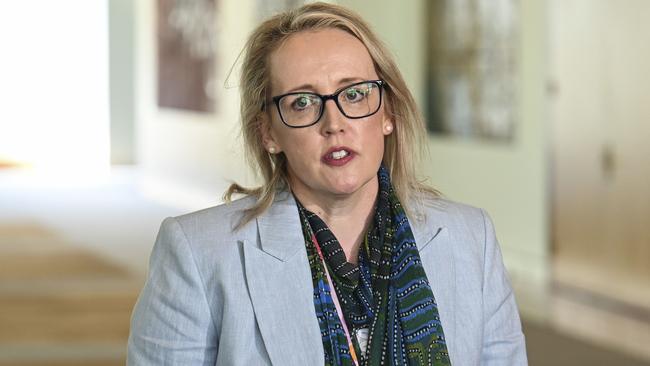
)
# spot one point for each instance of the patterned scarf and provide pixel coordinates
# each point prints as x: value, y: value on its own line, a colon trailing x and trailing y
x: 389, y: 309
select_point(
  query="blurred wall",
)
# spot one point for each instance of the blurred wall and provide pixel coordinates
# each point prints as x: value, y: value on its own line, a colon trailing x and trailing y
x: 187, y: 158
x: 122, y: 83
x: 599, y: 57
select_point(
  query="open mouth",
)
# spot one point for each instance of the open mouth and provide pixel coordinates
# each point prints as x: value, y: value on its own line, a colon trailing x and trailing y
x: 340, y: 154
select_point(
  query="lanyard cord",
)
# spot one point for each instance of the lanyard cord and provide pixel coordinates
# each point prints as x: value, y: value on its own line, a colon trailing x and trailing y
x: 337, y: 305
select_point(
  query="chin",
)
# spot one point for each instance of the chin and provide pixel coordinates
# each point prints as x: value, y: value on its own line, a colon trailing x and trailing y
x: 343, y: 191
x: 348, y: 186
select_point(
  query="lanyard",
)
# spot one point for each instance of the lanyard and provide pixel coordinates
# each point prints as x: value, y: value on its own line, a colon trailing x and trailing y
x: 337, y: 305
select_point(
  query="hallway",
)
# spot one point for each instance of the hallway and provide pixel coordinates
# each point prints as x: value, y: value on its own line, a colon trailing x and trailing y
x: 72, y: 260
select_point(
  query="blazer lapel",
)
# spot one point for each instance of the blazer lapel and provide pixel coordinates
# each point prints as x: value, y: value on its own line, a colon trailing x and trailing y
x: 436, y: 253
x: 281, y: 289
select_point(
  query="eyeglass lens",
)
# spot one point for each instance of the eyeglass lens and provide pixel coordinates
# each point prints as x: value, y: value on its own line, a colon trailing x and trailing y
x: 357, y: 101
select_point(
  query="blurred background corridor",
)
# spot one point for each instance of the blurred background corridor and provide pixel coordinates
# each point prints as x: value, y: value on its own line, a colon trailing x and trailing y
x: 115, y: 114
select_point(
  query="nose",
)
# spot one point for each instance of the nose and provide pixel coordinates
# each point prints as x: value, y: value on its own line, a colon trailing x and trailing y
x: 333, y: 121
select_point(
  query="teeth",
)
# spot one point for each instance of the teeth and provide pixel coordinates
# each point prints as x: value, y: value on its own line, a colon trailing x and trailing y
x: 339, y: 154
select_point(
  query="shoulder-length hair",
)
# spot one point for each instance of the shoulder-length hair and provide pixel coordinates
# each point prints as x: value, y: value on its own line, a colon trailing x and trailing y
x: 403, y: 147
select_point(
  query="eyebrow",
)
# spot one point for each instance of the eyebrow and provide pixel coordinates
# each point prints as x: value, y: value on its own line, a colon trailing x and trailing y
x: 312, y: 88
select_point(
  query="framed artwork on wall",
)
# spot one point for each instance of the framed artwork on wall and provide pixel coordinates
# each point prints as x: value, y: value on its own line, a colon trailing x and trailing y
x: 187, y: 43
x: 472, y: 68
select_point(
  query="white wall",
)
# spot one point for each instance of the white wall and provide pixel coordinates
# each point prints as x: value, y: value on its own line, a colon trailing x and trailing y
x: 187, y: 158
x: 510, y: 181
x: 122, y: 83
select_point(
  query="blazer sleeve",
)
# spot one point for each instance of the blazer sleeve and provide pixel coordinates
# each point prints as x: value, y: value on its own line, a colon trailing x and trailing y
x: 503, y: 339
x: 171, y: 323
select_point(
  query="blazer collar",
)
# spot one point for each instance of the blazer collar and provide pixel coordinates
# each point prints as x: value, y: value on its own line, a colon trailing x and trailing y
x: 279, y: 227
x: 281, y: 232
x: 280, y: 287
x: 427, y: 223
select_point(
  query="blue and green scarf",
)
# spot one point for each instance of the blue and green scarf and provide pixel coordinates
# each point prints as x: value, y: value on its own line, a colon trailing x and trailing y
x: 386, y: 299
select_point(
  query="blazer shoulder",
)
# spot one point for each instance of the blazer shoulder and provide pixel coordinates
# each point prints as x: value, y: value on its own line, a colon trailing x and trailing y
x: 449, y: 211
x: 217, y: 221
x: 460, y: 219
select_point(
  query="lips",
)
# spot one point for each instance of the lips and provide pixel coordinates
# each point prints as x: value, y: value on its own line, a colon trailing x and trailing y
x: 338, y: 156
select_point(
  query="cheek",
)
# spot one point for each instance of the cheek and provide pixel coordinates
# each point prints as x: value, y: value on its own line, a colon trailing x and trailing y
x: 296, y: 156
x: 379, y: 151
x: 373, y: 135
x: 298, y: 147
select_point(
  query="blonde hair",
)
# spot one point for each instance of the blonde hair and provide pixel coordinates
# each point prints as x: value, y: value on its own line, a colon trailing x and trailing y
x: 403, y: 146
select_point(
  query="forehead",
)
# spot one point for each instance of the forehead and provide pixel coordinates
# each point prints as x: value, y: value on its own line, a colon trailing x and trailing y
x: 323, y: 59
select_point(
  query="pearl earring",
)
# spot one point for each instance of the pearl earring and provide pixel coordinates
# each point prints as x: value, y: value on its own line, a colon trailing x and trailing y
x: 272, y: 150
x: 389, y: 128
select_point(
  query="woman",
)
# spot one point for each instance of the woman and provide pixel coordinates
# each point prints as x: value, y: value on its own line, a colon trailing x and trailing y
x: 341, y: 257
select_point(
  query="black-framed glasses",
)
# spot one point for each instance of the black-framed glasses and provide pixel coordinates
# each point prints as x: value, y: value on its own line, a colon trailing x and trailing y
x: 304, y: 109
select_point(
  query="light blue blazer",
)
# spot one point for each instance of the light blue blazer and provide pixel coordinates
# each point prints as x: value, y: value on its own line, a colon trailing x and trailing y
x: 215, y: 296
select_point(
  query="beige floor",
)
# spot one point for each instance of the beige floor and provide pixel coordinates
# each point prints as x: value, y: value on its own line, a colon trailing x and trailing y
x: 72, y: 262
x: 61, y: 304
x: 567, y: 325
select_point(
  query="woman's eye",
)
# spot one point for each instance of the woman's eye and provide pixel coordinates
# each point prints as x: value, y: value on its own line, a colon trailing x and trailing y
x: 301, y: 102
x: 355, y: 94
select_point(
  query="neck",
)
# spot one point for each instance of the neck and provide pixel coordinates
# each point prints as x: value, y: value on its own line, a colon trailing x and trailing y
x: 347, y: 216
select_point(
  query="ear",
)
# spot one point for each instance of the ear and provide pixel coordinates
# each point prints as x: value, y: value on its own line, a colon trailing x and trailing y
x: 387, y: 125
x: 269, y: 142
